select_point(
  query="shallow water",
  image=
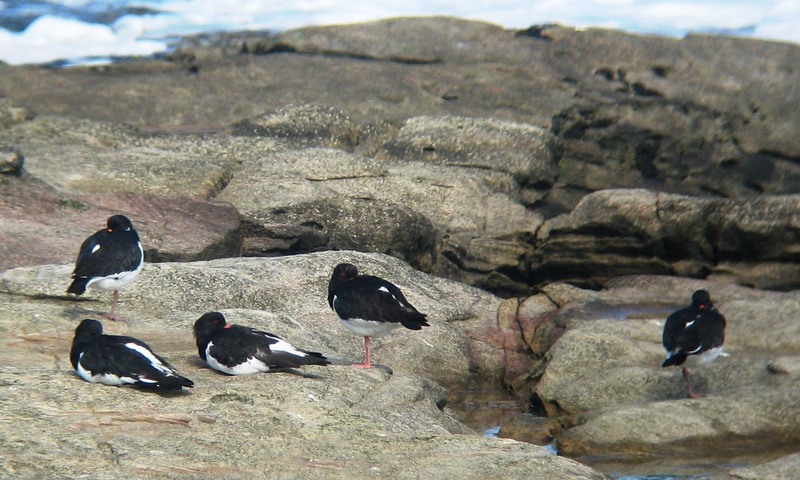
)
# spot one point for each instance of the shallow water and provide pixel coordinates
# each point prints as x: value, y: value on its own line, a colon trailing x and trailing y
x: 498, y: 414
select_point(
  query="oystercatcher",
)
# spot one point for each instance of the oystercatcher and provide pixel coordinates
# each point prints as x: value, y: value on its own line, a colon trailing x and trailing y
x: 109, y: 259
x: 370, y: 306
x: 240, y: 350
x: 697, y: 333
x: 118, y: 360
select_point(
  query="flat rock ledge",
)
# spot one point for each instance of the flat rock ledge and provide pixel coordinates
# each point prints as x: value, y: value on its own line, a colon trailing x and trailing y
x: 333, y: 422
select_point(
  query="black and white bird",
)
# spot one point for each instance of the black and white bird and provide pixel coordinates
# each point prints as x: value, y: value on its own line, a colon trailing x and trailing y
x: 370, y: 306
x: 696, y: 333
x: 240, y: 350
x: 110, y: 259
x: 119, y: 360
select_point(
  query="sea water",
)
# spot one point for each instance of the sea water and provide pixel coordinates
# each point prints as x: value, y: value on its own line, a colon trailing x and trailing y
x: 101, y: 30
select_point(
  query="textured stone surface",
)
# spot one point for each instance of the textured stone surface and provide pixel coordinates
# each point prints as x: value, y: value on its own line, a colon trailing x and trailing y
x: 339, y: 423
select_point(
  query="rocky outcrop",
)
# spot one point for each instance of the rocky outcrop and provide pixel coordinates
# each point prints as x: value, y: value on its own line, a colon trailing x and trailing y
x: 472, y: 138
x: 620, y: 232
x: 332, y: 422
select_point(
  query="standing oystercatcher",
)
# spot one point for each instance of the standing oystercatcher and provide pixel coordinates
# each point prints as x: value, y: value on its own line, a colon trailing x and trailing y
x: 117, y: 360
x: 240, y: 350
x: 109, y: 259
x: 696, y: 333
x: 370, y: 306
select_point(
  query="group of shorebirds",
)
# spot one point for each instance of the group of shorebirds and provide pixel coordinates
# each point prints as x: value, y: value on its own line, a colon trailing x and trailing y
x: 111, y: 258
x: 367, y: 306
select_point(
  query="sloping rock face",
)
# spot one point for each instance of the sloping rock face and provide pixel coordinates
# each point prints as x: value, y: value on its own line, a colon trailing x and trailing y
x: 334, y: 422
x: 474, y: 137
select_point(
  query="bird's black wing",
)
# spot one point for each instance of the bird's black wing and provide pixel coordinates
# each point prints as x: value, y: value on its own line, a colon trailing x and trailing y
x: 373, y: 298
x: 131, y: 358
x: 117, y: 252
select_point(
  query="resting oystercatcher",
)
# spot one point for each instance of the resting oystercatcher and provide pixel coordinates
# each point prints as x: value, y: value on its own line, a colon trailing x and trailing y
x: 118, y: 360
x: 109, y: 259
x: 696, y: 332
x: 370, y: 306
x: 240, y: 350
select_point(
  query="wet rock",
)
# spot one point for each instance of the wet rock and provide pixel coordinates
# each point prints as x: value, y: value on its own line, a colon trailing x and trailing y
x: 784, y: 467
x: 604, y: 375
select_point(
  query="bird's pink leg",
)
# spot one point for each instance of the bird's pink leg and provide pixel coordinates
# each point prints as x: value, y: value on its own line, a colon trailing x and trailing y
x: 689, y: 392
x: 368, y: 361
x: 111, y: 315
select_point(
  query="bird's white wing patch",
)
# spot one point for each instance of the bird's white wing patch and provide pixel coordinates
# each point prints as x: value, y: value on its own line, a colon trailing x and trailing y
x: 95, y: 248
x: 690, y: 352
x: 154, y: 361
x: 281, y: 346
x: 689, y: 324
x: 384, y: 289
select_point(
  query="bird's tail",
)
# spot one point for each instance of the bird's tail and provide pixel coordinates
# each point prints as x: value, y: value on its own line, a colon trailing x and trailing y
x: 315, y: 358
x: 674, y: 359
x: 415, y: 322
x: 172, y: 382
x: 78, y: 286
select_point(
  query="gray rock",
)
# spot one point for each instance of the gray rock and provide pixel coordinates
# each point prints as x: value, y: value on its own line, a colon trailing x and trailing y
x: 525, y: 152
x: 618, y: 232
x: 303, y: 125
x: 692, y: 116
x: 344, y: 423
x: 342, y: 224
x: 120, y: 159
x: 11, y: 161
x: 473, y: 212
x: 11, y: 114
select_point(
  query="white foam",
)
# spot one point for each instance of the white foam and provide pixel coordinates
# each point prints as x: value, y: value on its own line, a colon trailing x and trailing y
x: 50, y: 38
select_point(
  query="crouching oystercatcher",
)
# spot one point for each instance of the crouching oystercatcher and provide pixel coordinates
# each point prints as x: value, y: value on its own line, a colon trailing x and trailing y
x: 240, y: 350
x: 119, y: 360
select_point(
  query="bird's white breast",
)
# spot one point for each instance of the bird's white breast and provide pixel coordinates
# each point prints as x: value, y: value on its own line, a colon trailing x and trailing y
x: 369, y: 328
x: 117, y: 280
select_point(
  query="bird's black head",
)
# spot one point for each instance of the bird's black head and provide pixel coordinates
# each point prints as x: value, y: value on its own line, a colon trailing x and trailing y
x: 88, y: 329
x: 208, y: 324
x: 701, y: 300
x: 205, y: 328
x: 345, y: 271
x: 119, y: 223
